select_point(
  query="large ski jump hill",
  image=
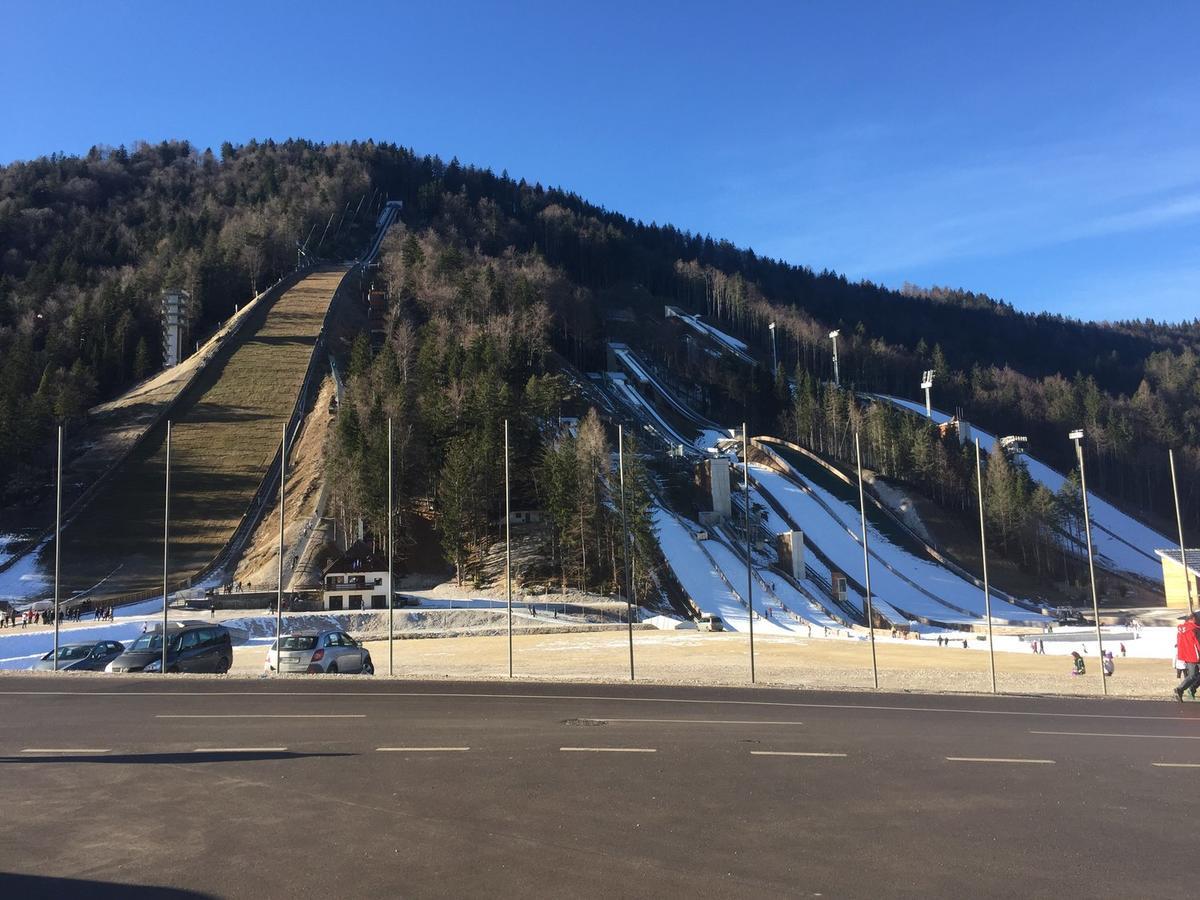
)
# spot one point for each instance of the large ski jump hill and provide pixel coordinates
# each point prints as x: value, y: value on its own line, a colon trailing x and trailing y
x: 226, y: 431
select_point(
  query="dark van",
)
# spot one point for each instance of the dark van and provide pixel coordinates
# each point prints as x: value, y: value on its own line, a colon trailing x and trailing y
x: 190, y: 648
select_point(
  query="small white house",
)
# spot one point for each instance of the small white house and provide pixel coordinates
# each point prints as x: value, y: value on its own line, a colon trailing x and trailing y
x: 358, y: 580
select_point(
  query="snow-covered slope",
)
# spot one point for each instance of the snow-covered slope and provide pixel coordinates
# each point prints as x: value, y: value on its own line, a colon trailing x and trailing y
x: 914, y: 586
x: 1122, y: 540
x: 698, y: 571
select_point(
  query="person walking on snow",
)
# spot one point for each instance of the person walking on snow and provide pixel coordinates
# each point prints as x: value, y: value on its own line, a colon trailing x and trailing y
x: 1187, y: 650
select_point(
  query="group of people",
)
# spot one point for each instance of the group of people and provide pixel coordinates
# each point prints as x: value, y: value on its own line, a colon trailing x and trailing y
x: 11, y: 617
x: 945, y: 642
x: 1187, y: 656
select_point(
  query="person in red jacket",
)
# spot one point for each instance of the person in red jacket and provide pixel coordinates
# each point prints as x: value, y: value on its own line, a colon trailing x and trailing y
x: 1187, y: 651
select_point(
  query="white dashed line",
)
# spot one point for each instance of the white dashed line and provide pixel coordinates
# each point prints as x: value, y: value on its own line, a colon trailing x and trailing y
x: 269, y: 716
x: 691, y: 721
x: 422, y: 749
x: 1167, y: 737
x: 1176, y: 765
x: 64, y: 750
x: 1000, y: 759
x: 607, y: 750
x: 240, y: 750
x: 792, y: 753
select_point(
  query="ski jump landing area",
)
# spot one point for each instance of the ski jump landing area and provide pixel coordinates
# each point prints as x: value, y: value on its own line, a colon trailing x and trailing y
x: 226, y: 431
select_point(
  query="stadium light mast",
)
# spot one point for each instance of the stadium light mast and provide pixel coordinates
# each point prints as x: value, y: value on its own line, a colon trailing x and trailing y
x: 283, y: 450
x: 508, y: 551
x: 58, y: 537
x: 870, y: 610
x: 749, y: 549
x: 626, y: 577
x: 166, y: 545
x: 391, y: 576
x: 1077, y: 437
x: 833, y: 336
x: 926, y: 386
x: 987, y: 592
x: 774, y: 354
x: 1178, y: 522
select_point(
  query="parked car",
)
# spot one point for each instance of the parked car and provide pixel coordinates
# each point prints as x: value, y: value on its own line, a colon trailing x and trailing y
x: 90, y: 657
x: 317, y: 652
x: 190, y: 648
x: 709, y: 622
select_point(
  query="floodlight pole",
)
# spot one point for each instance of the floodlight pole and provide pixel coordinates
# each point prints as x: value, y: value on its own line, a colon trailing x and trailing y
x: 987, y: 594
x: 774, y: 354
x: 749, y: 558
x: 862, y: 508
x: 1187, y: 579
x: 58, y: 540
x: 927, y: 385
x: 1077, y: 437
x: 391, y: 589
x: 625, y: 544
x: 833, y: 336
x: 279, y: 596
x: 166, y: 546
x: 508, y: 551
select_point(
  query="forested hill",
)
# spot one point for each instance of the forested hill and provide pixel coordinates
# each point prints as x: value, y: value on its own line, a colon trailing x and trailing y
x: 88, y: 243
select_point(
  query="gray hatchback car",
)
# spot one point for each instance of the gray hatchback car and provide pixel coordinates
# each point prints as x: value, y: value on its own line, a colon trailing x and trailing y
x: 317, y: 652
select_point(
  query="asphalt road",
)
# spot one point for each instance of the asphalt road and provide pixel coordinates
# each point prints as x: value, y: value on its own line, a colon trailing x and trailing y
x: 353, y: 788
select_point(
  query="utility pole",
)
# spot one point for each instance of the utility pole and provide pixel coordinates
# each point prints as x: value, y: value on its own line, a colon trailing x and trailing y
x: 508, y: 550
x: 987, y: 595
x: 282, y: 500
x: 927, y: 385
x: 166, y: 546
x: 749, y: 558
x: 1077, y: 437
x: 1187, y: 580
x: 833, y: 336
x: 391, y: 573
x: 774, y: 355
x: 625, y: 543
x: 862, y: 507
x: 57, y: 540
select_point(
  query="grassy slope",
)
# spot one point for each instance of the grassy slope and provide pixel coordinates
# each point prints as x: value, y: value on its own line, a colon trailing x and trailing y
x: 226, y: 431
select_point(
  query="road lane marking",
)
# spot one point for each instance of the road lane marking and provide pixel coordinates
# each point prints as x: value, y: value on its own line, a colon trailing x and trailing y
x: 792, y: 753
x: 691, y: 721
x: 1176, y: 765
x: 607, y: 750
x: 421, y: 749
x: 590, y: 698
x: 1000, y: 759
x: 240, y: 750
x: 64, y: 750
x: 268, y: 716
x: 1169, y: 737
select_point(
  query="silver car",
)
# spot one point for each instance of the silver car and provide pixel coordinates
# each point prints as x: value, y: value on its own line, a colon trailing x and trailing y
x: 317, y: 652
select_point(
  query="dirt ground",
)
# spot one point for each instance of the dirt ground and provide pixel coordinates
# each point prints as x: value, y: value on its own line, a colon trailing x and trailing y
x: 696, y: 658
x: 306, y: 475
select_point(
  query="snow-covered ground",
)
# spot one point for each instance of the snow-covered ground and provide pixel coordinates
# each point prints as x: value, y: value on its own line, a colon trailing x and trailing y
x: 913, y: 585
x: 24, y: 581
x: 1125, y: 542
x: 729, y: 342
x: 629, y: 394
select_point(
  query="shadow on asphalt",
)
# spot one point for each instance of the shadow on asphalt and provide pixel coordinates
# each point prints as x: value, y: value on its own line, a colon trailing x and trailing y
x: 164, y: 758
x: 36, y: 887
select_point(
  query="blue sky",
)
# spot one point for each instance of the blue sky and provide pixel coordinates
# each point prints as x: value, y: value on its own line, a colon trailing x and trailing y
x: 1044, y: 153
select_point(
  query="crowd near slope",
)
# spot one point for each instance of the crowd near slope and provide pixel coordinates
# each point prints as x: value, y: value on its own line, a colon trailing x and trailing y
x: 225, y: 432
